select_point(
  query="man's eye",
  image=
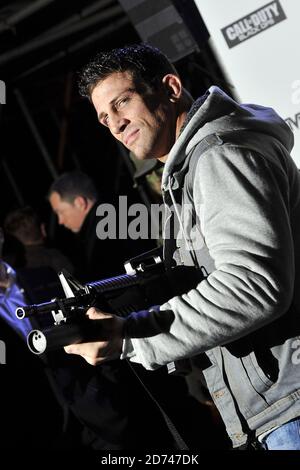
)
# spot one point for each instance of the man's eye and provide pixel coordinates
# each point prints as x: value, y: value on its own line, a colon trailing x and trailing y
x: 122, y: 102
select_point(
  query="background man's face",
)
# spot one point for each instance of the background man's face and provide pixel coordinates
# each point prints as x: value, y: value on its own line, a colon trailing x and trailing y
x: 144, y: 123
x: 68, y: 213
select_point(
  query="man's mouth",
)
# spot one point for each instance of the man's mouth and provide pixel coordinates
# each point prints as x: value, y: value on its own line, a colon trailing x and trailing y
x: 129, y: 139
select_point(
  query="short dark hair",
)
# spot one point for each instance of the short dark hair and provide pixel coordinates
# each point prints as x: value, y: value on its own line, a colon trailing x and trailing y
x: 147, y: 65
x: 72, y: 184
x: 23, y: 224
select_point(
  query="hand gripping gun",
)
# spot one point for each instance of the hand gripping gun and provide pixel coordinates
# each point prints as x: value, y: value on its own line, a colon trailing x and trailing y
x: 145, y: 284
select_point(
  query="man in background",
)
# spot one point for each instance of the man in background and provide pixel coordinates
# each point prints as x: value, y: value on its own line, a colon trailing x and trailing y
x: 25, y: 389
x: 24, y: 225
x: 74, y: 198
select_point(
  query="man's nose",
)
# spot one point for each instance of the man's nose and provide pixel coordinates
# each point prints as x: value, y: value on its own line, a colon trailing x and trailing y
x: 118, y: 124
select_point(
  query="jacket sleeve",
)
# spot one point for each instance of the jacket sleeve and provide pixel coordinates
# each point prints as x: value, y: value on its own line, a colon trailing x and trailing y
x: 242, y: 202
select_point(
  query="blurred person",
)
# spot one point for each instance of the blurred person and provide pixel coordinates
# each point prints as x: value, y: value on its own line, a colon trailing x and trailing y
x: 74, y: 199
x: 25, y: 389
x: 24, y: 225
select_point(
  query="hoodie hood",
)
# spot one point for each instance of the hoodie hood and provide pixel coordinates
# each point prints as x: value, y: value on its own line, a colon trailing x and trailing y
x: 217, y: 114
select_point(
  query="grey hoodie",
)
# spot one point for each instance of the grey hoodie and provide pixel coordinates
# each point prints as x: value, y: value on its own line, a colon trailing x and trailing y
x: 244, y: 192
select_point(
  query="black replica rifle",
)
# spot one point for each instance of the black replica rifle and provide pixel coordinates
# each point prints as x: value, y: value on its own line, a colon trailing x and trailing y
x: 145, y: 284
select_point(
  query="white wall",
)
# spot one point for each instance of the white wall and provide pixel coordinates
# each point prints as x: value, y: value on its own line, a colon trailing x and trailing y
x: 265, y: 68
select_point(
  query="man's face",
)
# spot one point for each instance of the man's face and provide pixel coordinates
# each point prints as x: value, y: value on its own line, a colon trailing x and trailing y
x: 144, y: 123
x: 69, y: 214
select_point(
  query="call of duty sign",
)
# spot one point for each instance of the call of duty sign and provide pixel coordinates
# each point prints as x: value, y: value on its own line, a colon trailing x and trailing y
x: 253, y: 24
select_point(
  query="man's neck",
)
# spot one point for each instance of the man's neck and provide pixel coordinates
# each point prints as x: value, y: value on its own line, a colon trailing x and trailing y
x: 88, y: 215
x: 179, y: 123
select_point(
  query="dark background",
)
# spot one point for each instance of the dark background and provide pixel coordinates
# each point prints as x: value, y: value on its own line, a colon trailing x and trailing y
x: 43, y: 44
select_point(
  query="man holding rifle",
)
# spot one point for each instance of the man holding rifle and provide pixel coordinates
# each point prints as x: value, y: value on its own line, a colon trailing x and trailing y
x: 230, y: 162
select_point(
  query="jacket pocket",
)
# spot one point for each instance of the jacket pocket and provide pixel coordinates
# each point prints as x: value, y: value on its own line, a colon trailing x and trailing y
x: 262, y: 369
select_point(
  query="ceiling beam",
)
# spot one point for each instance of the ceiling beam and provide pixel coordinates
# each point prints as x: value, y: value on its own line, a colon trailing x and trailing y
x: 43, y: 40
x: 29, y: 10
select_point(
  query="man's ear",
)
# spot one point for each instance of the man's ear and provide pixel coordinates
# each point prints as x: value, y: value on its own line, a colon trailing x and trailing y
x: 43, y: 230
x: 173, y: 87
x: 80, y: 203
